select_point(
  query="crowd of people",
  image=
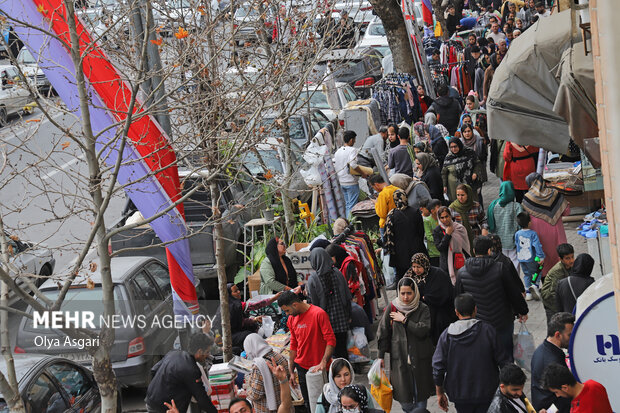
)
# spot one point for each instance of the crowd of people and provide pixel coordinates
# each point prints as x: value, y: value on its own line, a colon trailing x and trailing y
x: 462, y: 272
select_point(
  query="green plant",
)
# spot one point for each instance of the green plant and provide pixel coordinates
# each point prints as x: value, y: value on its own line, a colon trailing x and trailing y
x: 306, y: 234
x: 259, y: 256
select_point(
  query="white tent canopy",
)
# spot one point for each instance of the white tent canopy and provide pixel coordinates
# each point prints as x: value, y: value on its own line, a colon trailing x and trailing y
x: 524, y: 89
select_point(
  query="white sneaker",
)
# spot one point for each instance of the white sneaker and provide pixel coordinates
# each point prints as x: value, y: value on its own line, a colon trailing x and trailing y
x: 528, y: 297
x: 535, y: 292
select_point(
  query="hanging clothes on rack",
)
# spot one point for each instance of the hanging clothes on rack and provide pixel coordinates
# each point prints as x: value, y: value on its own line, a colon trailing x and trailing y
x: 397, y: 98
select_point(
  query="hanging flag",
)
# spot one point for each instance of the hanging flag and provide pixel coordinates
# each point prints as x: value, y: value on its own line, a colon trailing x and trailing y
x: 427, y: 12
x: 148, y: 169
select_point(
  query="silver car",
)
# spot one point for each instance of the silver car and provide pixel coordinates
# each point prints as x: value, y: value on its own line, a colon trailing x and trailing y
x: 14, y: 96
x: 30, y: 67
x: 26, y: 258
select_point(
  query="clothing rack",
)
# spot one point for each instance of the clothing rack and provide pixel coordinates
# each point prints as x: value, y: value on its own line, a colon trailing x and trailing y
x: 397, y: 98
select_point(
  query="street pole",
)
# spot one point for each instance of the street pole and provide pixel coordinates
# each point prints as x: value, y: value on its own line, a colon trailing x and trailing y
x: 604, y: 17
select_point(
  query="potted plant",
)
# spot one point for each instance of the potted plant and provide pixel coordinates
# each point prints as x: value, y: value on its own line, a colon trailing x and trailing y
x: 268, y: 213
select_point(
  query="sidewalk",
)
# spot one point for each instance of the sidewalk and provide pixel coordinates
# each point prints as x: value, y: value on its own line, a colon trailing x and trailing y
x: 536, y: 323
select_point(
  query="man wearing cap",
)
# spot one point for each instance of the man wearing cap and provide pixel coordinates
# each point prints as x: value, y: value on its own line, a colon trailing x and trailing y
x: 375, y: 141
x: 345, y: 162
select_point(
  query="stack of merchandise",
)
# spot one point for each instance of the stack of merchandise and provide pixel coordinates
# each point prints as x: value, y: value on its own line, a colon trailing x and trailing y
x: 222, y: 380
x: 595, y: 230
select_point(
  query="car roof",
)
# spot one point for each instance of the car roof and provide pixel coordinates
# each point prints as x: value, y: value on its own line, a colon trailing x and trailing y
x: 2, y: 67
x: 23, y: 364
x: 121, y: 268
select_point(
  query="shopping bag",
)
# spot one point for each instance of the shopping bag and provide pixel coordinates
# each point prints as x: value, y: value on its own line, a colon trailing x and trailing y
x: 523, y: 347
x: 380, y: 389
x: 268, y: 326
x: 374, y: 374
x: 357, y: 346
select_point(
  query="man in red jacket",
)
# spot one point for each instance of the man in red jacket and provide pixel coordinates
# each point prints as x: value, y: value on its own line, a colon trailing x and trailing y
x: 312, y: 339
x: 588, y: 397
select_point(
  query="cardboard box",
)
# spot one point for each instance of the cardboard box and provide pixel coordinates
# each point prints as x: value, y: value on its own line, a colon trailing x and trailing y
x: 254, y: 281
x: 300, y: 259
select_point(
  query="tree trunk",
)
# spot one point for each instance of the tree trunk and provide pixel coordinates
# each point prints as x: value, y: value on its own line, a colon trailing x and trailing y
x: 102, y: 365
x: 220, y: 264
x: 8, y: 386
x: 438, y: 10
x: 289, y: 219
x: 392, y: 17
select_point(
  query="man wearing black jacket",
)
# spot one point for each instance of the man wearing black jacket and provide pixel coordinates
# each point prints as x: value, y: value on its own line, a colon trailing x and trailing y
x: 447, y: 109
x: 549, y: 352
x: 177, y: 377
x: 467, y: 360
x: 570, y: 288
x: 497, y: 299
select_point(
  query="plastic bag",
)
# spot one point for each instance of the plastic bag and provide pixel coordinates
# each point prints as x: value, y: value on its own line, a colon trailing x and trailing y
x: 268, y: 326
x: 374, y: 374
x: 523, y: 347
x: 311, y: 176
x: 357, y: 346
x: 388, y: 272
x: 380, y: 386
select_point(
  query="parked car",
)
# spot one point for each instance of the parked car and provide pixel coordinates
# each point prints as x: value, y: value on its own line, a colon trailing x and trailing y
x: 302, y: 126
x: 316, y: 97
x: 141, y: 289
x: 247, y: 21
x: 53, y: 384
x: 239, y: 203
x: 34, y: 74
x: 360, y: 68
x: 25, y: 258
x: 359, y: 10
x: 269, y: 156
x: 14, y: 96
x: 375, y: 37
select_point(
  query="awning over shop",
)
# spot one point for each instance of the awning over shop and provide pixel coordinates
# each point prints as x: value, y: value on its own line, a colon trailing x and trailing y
x: 576, y: 99
x: 525, y: 88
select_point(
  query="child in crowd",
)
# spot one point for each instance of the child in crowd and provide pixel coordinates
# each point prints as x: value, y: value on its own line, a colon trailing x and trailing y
x: 528, y: 249
x: 429, y: 208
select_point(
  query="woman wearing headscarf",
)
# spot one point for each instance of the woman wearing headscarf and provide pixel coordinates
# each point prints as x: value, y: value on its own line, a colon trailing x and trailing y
x: 341, y: 375
x: 519, y: 162
x: 570, y: 288
x: 328, y: 289
x: 430, y: 174
x: 461, y: 166
x: 263, y: 390
x: 277, y: 272
x: 450, y: 239
x: 469, y: 213
x: 355, y: 398
x: 433, y: 136
x: 472, y: 140
x: 437, y: 293
x: 240, y: 324
x: 404, y: 234
x: 404, y: 332
x: 546, y: 207
x: 502, y: 220
x: 350, y: 268
x: 425, y: 101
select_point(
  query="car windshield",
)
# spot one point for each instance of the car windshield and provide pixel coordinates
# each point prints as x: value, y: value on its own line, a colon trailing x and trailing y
x: 269, y: 157
x: 376, y: 30
x: 178, y: 4
x: 296, y: 128
x: 236, y: 80
x: 245, y: 11
x: 80, y: 299
x: 26, y: 57
x: 317, y: 99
